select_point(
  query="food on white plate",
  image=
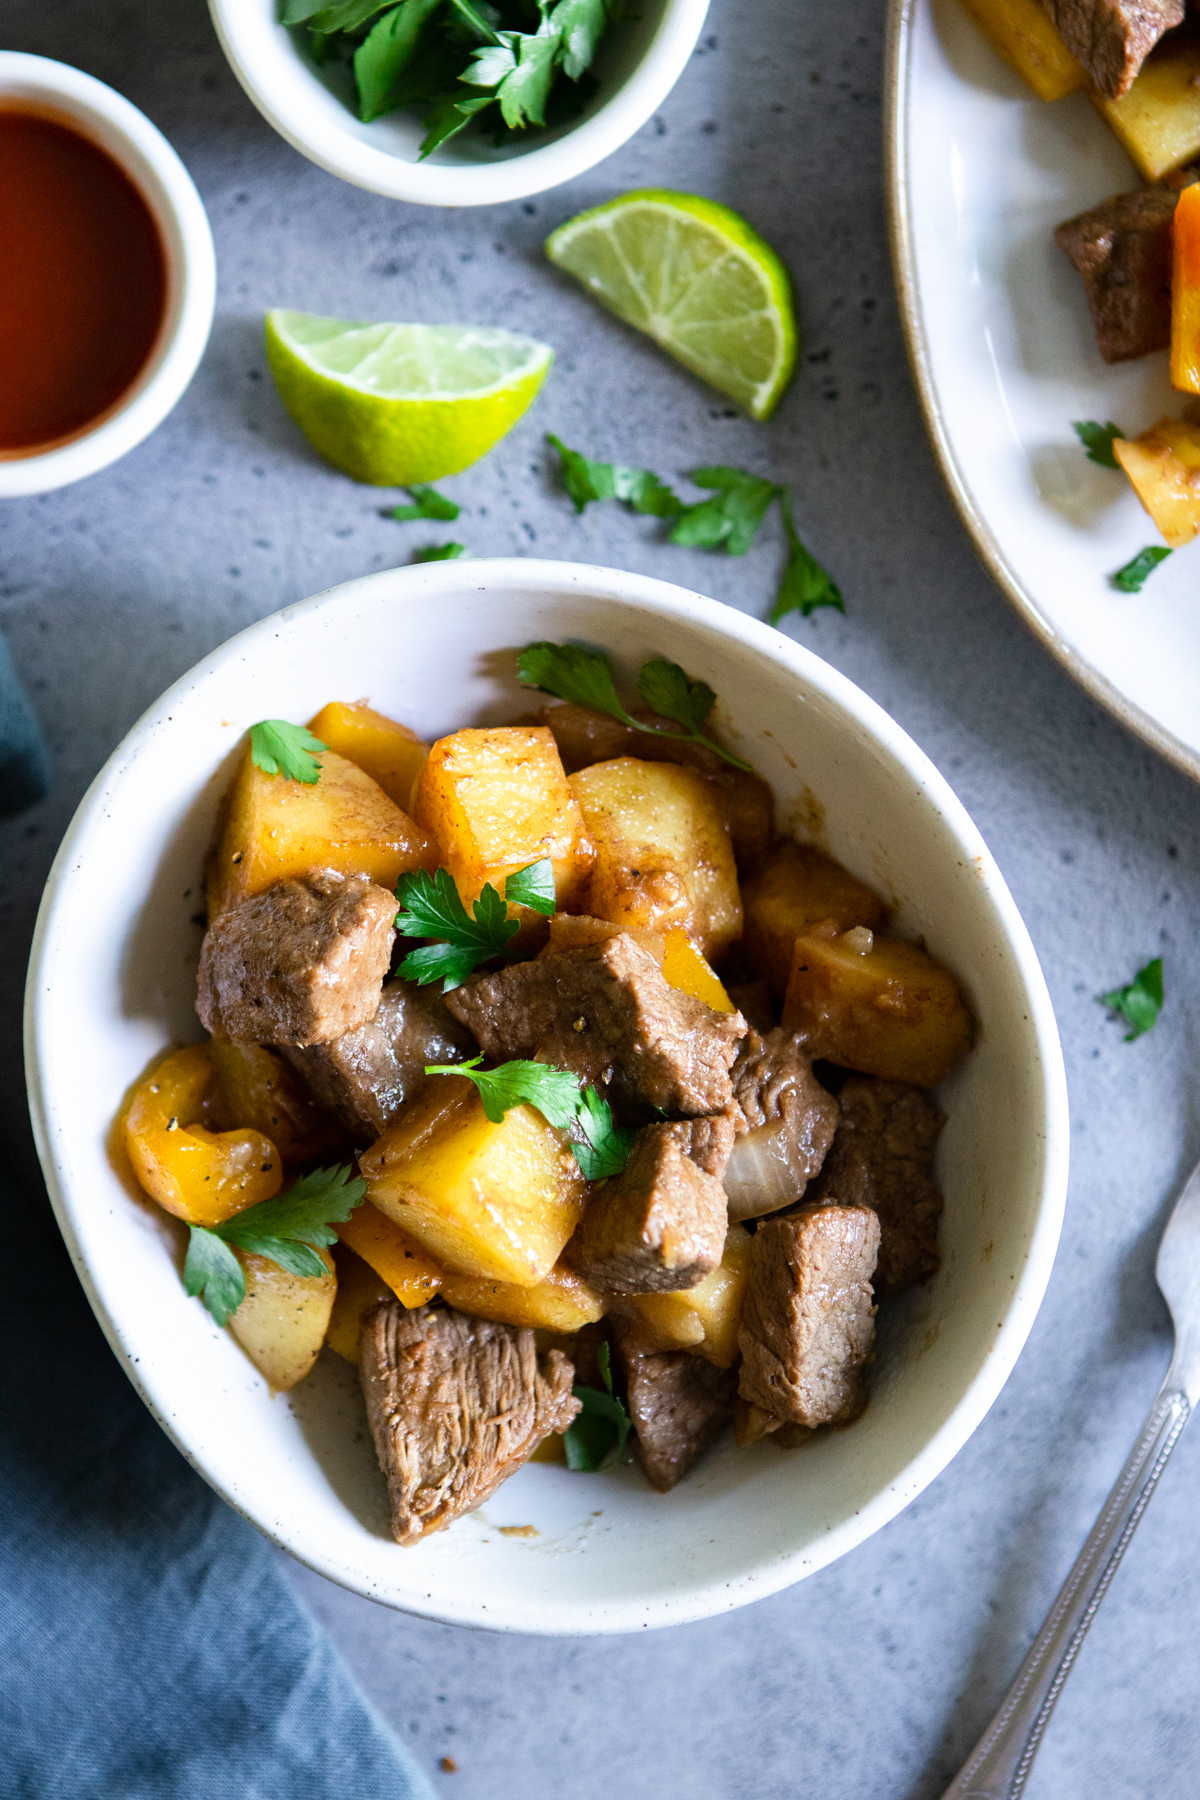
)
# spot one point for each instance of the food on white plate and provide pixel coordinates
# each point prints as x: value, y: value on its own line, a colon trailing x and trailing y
x: 502, y: 1138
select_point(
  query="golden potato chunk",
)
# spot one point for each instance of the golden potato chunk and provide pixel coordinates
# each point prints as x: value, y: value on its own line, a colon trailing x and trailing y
x: 878, y: 1005
x: 257, y: 1088
x: 272, y: 828
x: 1158, y: 120
x: 795, y: 888
x: 410, y: 1272
x: 1022, y: 32
x: 495, y: 801
x: 704, y: 1319
x: 498, y: 1201
x: 359, y: 1289
x: 663, y: 855
x: 382, y: 748
x: 1164, y: 466
x: 281, y: 1323
x: 561, y: 1303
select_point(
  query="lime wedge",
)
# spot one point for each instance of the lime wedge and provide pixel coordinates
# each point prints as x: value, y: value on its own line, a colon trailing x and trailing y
x: 697, y: 279
x: 394, y: 404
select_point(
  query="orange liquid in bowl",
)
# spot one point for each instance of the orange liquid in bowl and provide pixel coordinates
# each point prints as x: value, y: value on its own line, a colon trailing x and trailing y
x: 83, y: 282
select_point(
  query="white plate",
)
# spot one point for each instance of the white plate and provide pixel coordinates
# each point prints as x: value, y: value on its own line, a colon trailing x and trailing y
x: 1005, y: 358
x: 113, y: 979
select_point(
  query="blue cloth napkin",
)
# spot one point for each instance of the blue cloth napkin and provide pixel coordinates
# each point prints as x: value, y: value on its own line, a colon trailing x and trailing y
x: 150, y: 1649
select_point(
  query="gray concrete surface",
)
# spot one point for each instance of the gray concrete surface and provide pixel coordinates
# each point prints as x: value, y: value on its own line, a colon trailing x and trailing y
x: 869, y: 1681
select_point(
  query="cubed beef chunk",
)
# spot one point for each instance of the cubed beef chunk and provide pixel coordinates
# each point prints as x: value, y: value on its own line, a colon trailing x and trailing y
x: 456, y: 1405
x: 605, y: 1013
x: 882, y: 1157
x: 366, y: 1074
x: 708, y: 1142
x: 809, y: 1320
x: 299, y: 964
x: 1122, y: 249
x: 679, y: 1405
x: 1112, y: 38
x: 785, y: 1119
x: 656, y: 1228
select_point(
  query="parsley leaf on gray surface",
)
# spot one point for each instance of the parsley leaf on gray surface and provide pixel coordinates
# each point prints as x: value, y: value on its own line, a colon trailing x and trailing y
x: 732, y: 516
x: 426, y: 503
x: 290, y: 1230
x: 805, y: 584
x: 533, y: 886
x: 555, y: 1092
x: 597, y: 1436
x: 278, y: 748
x: 1133, y: 576
x: 1140, y: 1003
x: 439, y: 553
x: 1097, y: 440
x: 430, y: 907
x: 586, y: 481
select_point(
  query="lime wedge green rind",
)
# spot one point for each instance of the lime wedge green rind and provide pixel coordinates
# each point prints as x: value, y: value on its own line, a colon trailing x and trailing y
x: 694, y: 276
x: 392, y: 404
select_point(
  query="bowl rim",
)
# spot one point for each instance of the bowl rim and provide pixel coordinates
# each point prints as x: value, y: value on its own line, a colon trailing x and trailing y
x: 421, y: 584
x: 340, y: 152
x: 145, y: 156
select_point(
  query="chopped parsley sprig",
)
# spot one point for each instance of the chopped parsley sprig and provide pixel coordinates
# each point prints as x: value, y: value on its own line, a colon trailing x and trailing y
x: 596, y: 1438
x: 430, y: 907
x: 1140, y: 1003
x: 290, y: 1230
x: 583, y: 677
x: 1132, y: 577
x: 279, y: 748
x: 601, y: 1148
x: 426, y: 503
x: 1097, y: 440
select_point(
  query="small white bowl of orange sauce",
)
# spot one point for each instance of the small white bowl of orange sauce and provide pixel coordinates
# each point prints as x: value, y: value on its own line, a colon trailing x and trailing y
x: 110, y: 275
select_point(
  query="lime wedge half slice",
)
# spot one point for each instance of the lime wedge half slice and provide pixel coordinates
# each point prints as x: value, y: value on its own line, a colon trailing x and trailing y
x: 697, y: 279
x: 394, y: 404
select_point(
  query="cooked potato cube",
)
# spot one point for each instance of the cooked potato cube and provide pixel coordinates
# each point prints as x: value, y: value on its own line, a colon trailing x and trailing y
x: 1164, y: 466
x: 359, y: 1289
x: 498, y: 1201
x: 663, y: 855
x: 1023, y: 34
x: 562, y: 1302
x: 410, y: 1272
x: 382, y: 748
x: 795, y: 888
x: 272, y: 828
x: 495, y: 801
x: 1158, y: 121
x: 878, y: 1005
x: 1185, y: 291
x: 257, y: 1088
x: 200, y: 1175
x: 705, y: 1318
x: 281, y: 1323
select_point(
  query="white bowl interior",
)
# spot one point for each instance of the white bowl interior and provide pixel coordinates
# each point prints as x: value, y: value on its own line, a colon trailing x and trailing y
x: 112, y: 981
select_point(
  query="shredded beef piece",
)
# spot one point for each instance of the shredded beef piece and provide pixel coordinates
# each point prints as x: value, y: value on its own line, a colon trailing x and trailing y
x: 456, y: 1405
x: 299, y: 964
x: 809, y: 1322
x: 786, y: 1121
x: 605, y: 1013
x: 658, y: 1227
x: 1122, y: 249
x: 1112, y: 38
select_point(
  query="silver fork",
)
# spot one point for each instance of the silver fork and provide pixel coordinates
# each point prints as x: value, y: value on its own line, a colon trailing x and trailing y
x: 999, y: 1765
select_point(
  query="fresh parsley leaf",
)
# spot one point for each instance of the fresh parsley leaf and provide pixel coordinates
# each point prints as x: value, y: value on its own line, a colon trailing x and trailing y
x: 668, y: 691
x: 342, y: 15
x: 597, y: 1436
x: 579, y: 24
x: 805, y: 584
x: 475, y: 19
x: 450, y: 115
x: 533, y: 886
x: 586, y: 480
x: 1140, y: 1003
x: 1097, y: 440
x: 427, y: 503
x: 278, y: 748
x: 732, y: 516
x: 385, y: 53
x: 555, y: 1092
x: 524, y: 91
x: 605, y: 1148
x: 438, y: 552
x: 430, y: 907
x: 213, y: 1274
x: 1132, y: 578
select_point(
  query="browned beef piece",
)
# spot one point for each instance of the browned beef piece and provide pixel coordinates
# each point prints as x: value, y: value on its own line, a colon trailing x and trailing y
x: 605, y: 1013
x: 456, y: 1405
x: 1112, y: 38
x: 656, y: 1228
x: 785, y: 1119
x: 1122, y: 249
x: 584, y: 737
x: 299, y: 964
x: 882, y: 1157
x: 679, y: 1405
x: 707, y: 1141
x: 809, y: 1321
x: 368, y: 1073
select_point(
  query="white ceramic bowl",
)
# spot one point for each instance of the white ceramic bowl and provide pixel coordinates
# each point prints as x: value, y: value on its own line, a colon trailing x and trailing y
x: 639, y: 61
x: 142, y: 151
x: 112, y: 980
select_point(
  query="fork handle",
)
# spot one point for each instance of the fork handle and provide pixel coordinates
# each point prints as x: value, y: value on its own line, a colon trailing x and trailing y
x: 999, y: 1765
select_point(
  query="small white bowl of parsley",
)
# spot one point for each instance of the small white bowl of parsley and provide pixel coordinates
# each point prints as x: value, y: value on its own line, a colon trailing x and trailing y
x: 457, y: 102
